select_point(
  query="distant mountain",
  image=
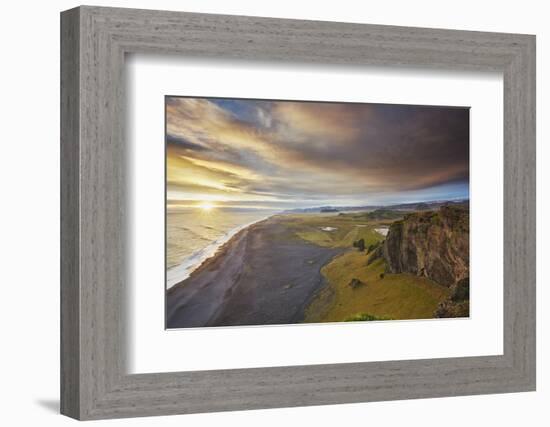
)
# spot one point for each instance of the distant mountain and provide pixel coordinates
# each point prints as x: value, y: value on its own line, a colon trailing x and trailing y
x: 416, y: 206
x: 428, y: 206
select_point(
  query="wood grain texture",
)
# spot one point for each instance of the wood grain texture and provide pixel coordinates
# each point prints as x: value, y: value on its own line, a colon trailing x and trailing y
x: 95, y: 383
x: 70, y: 297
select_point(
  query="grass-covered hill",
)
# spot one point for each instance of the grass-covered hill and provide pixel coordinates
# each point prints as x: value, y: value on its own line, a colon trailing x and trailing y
x: 419, y: 270
x: 360, y: 285
x: 378, y: 296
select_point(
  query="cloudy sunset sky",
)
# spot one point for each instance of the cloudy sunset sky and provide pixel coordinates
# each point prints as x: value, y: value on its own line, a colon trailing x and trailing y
x: 284, y: 155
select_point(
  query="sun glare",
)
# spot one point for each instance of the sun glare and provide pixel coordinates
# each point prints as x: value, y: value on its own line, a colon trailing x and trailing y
x: 206, y: 206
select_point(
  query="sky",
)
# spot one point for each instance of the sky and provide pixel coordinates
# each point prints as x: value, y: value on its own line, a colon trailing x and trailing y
x: 290, y: 154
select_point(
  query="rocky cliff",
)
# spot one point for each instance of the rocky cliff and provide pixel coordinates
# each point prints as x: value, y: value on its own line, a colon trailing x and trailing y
x: 433, y: 244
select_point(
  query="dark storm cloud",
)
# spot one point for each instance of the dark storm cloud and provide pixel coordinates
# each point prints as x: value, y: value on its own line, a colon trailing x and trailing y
x: 181, y: 143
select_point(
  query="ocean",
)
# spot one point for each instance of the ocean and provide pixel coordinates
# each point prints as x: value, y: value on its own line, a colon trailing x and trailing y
x: 194, y: 235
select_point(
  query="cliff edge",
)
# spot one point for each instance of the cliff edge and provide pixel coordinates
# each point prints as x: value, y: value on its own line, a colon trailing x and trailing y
x: 434, y: 244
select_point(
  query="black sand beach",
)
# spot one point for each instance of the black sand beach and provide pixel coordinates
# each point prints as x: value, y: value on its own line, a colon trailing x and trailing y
x: 263, y: 275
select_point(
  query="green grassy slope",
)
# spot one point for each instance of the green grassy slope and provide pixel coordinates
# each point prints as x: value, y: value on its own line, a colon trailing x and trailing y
x: 393, y: 296
x: 347, y: 230
x: 381, y: 295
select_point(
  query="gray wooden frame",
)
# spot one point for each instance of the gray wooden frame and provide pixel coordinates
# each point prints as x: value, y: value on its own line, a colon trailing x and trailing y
x: 94, y: 41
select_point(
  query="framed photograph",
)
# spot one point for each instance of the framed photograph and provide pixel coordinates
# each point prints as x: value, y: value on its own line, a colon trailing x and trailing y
x: 284, y: 212
x: 262, y: 213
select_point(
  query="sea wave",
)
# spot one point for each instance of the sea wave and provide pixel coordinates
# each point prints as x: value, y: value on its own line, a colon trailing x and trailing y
x: 194, y: 233
x: 182, y: 271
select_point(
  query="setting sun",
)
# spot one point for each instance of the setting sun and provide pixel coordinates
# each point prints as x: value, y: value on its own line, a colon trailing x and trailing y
x: 206, y: 206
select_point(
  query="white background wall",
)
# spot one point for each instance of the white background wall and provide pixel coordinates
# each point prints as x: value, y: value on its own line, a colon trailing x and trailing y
x: 29, y: 234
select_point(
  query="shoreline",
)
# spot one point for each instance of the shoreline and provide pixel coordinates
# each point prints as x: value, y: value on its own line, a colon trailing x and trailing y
x: 229, y: 258
x: 221, y: 251
x: 262, y: 275
x: 177, y: 274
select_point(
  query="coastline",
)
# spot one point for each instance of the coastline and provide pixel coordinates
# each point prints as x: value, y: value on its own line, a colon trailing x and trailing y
x: 182, y: 271
x: 262, y: 275
x: 229, y: 259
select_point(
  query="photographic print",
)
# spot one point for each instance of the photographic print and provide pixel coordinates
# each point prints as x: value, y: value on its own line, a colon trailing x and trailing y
x: 286, y: 212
